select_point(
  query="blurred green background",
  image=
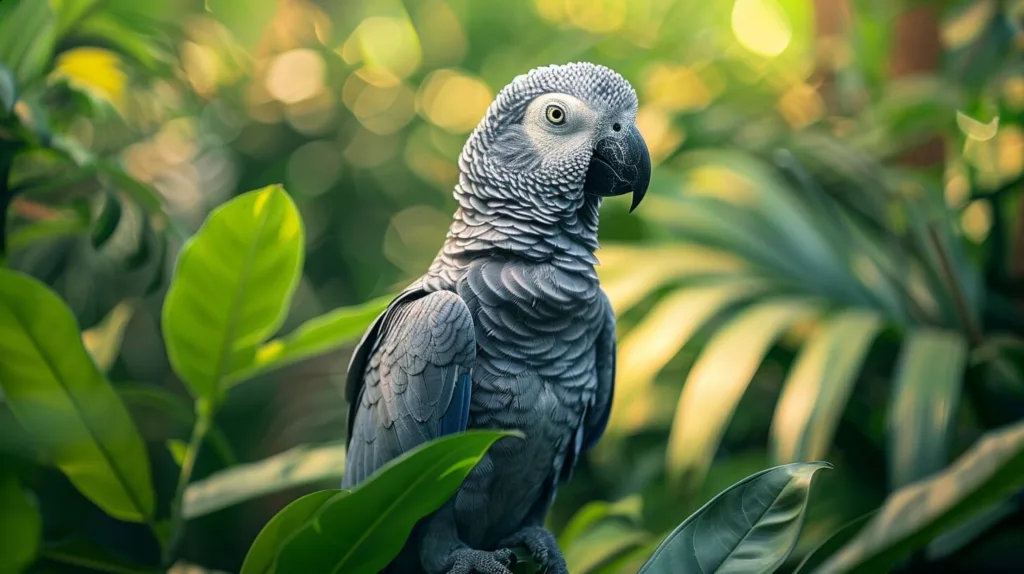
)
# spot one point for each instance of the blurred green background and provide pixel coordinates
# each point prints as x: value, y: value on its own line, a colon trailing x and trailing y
x: 829, y: 265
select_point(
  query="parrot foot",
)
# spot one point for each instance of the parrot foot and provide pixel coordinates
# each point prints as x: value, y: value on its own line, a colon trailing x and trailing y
x: 469, y: 561
x: 542, y: 545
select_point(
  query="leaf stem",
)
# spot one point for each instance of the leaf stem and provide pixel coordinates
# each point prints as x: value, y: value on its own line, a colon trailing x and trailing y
x: 205, y: 412
x: 963, y: 311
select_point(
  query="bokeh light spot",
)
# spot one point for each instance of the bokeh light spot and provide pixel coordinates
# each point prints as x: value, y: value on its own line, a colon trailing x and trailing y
x: 295, y: 75
x: 761, y: 26
x: 453, y: 100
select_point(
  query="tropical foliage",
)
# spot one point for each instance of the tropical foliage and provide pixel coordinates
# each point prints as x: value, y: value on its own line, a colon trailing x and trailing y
x: 829, y: 267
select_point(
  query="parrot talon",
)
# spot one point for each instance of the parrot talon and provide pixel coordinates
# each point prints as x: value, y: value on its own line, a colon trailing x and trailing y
x: 542, y: 546
x: 469, y: 561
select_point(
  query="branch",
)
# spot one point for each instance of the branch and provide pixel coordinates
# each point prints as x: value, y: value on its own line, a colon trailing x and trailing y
x: 205, y: 411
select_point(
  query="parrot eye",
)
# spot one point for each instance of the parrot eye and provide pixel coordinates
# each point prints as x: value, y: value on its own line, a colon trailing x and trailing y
x: 555, y: 115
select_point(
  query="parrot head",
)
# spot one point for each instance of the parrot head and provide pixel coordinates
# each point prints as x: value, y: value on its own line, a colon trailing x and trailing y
x: 556, y: 135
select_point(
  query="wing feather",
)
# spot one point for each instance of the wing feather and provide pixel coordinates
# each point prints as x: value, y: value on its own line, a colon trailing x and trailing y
x: 409, y: 380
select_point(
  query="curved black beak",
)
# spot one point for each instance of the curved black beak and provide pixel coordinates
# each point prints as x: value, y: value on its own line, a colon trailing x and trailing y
x: 620, y: 164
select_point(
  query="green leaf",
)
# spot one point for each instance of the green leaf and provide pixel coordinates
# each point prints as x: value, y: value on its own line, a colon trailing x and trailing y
x: 85, y: 555
x: 596, y: 511
x: 28, y: 32
x: 819, y: 385
x: 645, y: 350
x: 46, y: 229
x: 247, y: 19
x: 232, y: 286
x: 718, y: 380
x: 178, y: 449
x: 924, y: 401
x: 749, y: 528
x: 833, y: 542
x: 604, y: 542
x: 21, y: 524
x: 56, y: 392
x: 8, y: 91
x: 70, y: 12
x: 915, y: 514
x: 314, y: 337
x: 104, y: 340
x: 284, y: 524
x: 298, y: 466
x: 363, y: 532
x: 107, y: 219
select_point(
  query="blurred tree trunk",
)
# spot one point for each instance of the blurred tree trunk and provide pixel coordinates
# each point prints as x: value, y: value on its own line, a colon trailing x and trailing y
x: 916, y: 50
x: 831, y: 42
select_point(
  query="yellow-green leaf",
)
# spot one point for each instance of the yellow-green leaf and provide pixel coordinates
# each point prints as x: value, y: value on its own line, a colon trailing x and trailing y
x: 298, y: 466
x: 56, y: 392
x: 314, y: 337
x: 270, y: 540
x: 925, y: 398
x: 718, y: 380
x: 646, y: 349
x: 232, y: 286
x: 819, y: 385
x: 915, y: 514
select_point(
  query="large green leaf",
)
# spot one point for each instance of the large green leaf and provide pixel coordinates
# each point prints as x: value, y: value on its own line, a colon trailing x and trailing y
x: 924, y: 401
x: 913, y: 515
x: 363, y: 532
x: 56, y: 392
x: 749, y: 528
x: 646, y: 349
x: 21, y: 524
x: 314, y: 337
x: 819, y: 385
x: 283, y: 526
x: 232, y: 286
x: 718, y: 380
x: 295, y: 467
x: 28, y: 31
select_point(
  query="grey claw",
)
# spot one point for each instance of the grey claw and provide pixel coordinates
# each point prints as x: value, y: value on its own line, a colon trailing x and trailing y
x: 468, y: 561
x: 543, y: 546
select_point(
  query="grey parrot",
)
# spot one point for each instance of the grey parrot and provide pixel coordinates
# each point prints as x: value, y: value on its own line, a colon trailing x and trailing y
x: 509, y: 327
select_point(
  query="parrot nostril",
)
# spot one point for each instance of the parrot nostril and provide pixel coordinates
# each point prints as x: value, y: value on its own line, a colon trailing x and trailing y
x: 617, y: 127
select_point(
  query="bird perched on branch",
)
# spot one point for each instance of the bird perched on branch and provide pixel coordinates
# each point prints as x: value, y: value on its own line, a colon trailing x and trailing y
x: 509, y: 328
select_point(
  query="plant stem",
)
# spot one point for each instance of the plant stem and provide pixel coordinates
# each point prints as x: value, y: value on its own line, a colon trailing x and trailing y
x: 963, y: 310
x: 205, y: 412
x: 90, y: 563
x: 8, y: 149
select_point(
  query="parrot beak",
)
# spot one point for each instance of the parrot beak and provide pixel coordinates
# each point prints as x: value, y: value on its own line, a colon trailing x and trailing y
x: 620, y: 164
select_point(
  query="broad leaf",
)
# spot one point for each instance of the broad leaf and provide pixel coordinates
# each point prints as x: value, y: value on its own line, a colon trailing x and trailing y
x: 604, y: 542
x: 913, y: 515
x: 314, y: 337
x: 283, y: 526
x: 646, y: 349
x: 749, y: 528
x: 21, y: 524
x: 819, y: 385
x: 628, y: 274
x: 28, y: 31
x: 56, y: 392
x: 718, y: 380
x: 924, y: 401
x: 295, y: 467
x: 363, y: 532
x: 833, y: 542
x: 232, y: 286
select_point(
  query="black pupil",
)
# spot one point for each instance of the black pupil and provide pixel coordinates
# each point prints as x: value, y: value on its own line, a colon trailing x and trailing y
x: 616, y: 127
x: 556, y: 114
